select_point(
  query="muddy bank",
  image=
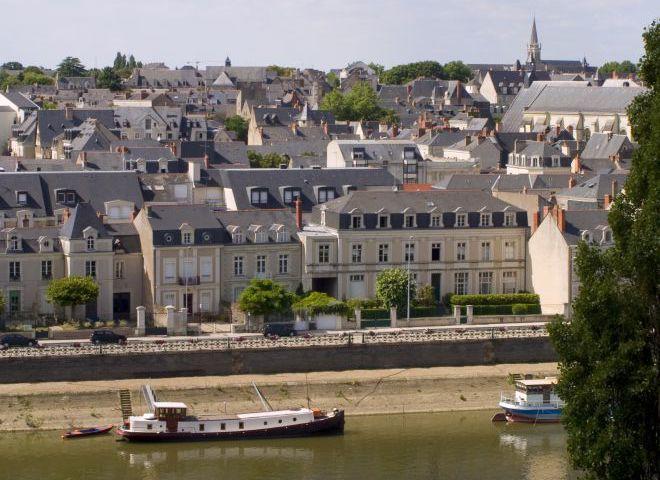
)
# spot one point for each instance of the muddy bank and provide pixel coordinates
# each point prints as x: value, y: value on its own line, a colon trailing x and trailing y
x: 60, y: 405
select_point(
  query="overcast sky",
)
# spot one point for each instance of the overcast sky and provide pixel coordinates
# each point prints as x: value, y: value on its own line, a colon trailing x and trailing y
x: 319, y: 33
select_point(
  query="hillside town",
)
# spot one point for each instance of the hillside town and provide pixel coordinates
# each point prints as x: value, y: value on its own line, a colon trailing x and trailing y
x: 179, y: 186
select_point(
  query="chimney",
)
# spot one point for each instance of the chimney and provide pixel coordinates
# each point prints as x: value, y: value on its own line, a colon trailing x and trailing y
x: 614, y: 189
x: 101, y: 216
x: 535, y: 221
x: 540, y: 137
x: 83, y: 159
x: 607, y: 201
x: 615, y: 75
x: 66, y: 215
x: 561, y: 220
x: 498, y: 126
x: 468, y: 140
x: 571, y: 182
x: 207, y: 162
x: 459, y: 94
x: 546, y: 210
x: 324, y: 126
x: 576, y: 165
x: 409, y: 89
x: 299, y: 222
x: 173, y: 148
x: 395, y: 131
x: 68, y: 113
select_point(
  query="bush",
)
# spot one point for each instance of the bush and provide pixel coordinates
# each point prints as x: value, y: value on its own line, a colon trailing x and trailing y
x: 495, y: 299
x: 492, y: 309
x: 375, y: 313
x: 316, y: 303
x: 446, y: 299
x: 425, y: 296
x: 263, y: 297
x: 423, y: 312
x: 392, y: 288
x: 526, y: 309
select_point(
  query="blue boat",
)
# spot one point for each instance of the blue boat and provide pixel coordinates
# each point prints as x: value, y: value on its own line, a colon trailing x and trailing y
x: 534, y: 401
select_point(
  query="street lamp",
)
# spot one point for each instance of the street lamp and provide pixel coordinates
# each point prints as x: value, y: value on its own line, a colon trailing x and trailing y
x: 408, y: 255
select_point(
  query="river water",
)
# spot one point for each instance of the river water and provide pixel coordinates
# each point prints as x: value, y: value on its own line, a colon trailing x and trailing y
x: 458, y: 445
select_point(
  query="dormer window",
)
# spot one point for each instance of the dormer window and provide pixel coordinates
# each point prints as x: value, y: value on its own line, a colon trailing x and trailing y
x: 66, y: 197
x: 14, y: 243
x: 485, y: 220
x: 409, y: 221
x: 259, y: 196
x: 22, y: 198
x: 290, y: 195
x: 586, y: 236
x: 187, y: 238
x: 91, y: 243
x: 383, y: 220
x: 436, y: 220
x: 555, y: 161
x: 509, y: 219
x: 357, y: 153
x: 326, y: 194
x: 408, y: 154
x: 461, y: 220
x: 607, y: 236
x: 282, y: 236
x: 237, y: 237
x: 261, y: 237
x: 356, y: 221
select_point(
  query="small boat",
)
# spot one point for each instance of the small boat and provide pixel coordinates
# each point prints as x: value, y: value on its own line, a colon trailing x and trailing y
x: 87, y: 432
x: 170, y: 421
x: 534, y: 401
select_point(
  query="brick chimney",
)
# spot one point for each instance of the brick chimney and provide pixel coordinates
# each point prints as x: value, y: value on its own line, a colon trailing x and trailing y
x: 614, y: 189
x: 207, y: 162
x: 459, y: 93
x: 540, y: 136
x: 546, y: 210
x: 607, y: 201
x: 324, y: 126
x: 576, y: 165
x: 535, y: 221
x: 561, y: 220
x: 173, y: 148
x: 68, y: 113
x: 299, y: 221
x: 66, y: 215
x: 498, y: 126
x: 571, y: 182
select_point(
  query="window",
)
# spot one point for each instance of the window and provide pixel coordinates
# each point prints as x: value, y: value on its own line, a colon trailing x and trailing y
x: 509, y: 219
x: 461, y: 283
x: 461, y: 220
x: 188, y: 268
x: 206, y: 268
x: 485, y: 252
x: 13, y: 243
x: 290, y: 196
x: 150, y: 426
x: 261, y: 237
x: 187, y: 238
x: 509, y: 282
x: 436, y: 220
x: 283, y: 264
x: 485, y: 283
x: 383, y: 221
x: 90, y: 268
x: 283, y: 236
x: 14, y: 270
x: 608, y: 236
x: 201, y: 427
x: 147, y: 124
x: 356, y: 221
x: 223, y: 426
x: 409, y: 221
x: 90, y: 243
x: 436, y: 252
x: 461, y: 251
x: 356, y: 253
x: 14, y: 301
x: 409, y: 252
x: 169, y: 270
x: 326, y: 194
x: 238, y: 266
x: 509, y: 250
x: 237, y: 237
x: 324, y: 253
x: 46, y: 269
x: 484, y: 220
x: 241, y: 425
x: 356, y: 278
x: 259, y: 197
x: 21, y: 198
x: 261, y: 264
x: 383, y: 253
x: 136, y: 136
x: 555, y: 161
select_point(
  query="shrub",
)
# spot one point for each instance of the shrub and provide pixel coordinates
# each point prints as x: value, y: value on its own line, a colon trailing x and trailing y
x: 446, y: 299
x: 375, y: 313
x: 263, y: 297
x: 424, y: 311
x: 495, y: 299
x: 316, y: 303
x: 425, y: 296
x: 392, y: 288
x: 492, y: 309
x: 526, y: 309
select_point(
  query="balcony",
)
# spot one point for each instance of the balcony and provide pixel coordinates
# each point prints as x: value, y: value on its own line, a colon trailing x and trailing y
x: 192, y: 280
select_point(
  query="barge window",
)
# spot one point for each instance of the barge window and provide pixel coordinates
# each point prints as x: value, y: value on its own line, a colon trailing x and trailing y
x: 222, y: 426
x: 279, y: 421
x: 240, y: 425
x: 201, y: 427
x: 149, y: 426
x: 294, y: 419
x: 265, y: 423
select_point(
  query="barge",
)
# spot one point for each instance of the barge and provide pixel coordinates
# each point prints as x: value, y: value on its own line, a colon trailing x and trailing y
x: 534, y: 401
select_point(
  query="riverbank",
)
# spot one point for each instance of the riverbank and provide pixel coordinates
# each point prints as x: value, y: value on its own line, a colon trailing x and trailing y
x: 60, y: 405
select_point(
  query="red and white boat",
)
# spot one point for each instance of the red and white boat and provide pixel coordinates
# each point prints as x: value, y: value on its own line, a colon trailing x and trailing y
x: 169, y: 421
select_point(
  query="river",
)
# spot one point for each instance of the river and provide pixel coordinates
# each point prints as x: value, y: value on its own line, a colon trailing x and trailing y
x: 456, y: 445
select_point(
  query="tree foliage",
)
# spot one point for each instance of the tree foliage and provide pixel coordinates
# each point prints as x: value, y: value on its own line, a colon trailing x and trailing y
x: 108, y: 78
x: 2, y: 303
x: 457, y: 70
x: 72, y: 291
x: 71, y: 67
x: 282, y: 71
x: 376, y: 67
x: 262, y: 297
x: 624, y: 67
x: 239, y: 125
x: 359, y: 104
x: 332, y: 79
x: 317, y: 303
x: 425, y: 296
x: 12, y: 66
x: 609, y: 351
x: 392, y: 288
x: 267, y: 160
x: 401, y: 74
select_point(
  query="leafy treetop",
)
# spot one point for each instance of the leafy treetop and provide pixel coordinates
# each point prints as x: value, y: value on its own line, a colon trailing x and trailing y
x: 392, y: 288
x: 71, y: 67
x: 624, y: 67
x: 263, y: 297
x: 239, y: 125
x: 71, y: 291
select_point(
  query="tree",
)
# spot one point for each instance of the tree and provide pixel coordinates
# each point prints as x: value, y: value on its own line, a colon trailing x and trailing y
x: 262, y: 297
x: 131, y: 62
x: 2, y: 303
x: 120, y: 62
x: 426, y: 296
x: 108, y: 78
x: 72, y: 291
x: 12, y: 66
x: 237, y: 124
x: 390, y: 117
x: 361, y: 103
x: 268, y: 160
x: 401, y: 74
x: 332, y: 79
x: 376, y: 67
x: 34, y: 75
x: 625, y: 67
x: 457, y: 70
x: 392, y: 288
x: 317, y: 303
x: 609, y: 351
x: 71, y: 67
x: 8, y: 80
x: 282, y: 71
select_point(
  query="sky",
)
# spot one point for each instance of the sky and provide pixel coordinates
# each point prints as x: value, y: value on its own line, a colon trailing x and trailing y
x: 319, y: 34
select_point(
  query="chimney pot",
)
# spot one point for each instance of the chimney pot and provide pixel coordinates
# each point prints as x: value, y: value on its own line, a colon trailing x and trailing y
x: 68, y: 113
x: 299, y: 223
x: 207, y: 162
x: 607, y: 201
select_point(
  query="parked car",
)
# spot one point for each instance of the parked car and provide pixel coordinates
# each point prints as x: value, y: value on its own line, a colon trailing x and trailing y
x: 279, y: 329
x: 16, y: 340
x: 107, y: 336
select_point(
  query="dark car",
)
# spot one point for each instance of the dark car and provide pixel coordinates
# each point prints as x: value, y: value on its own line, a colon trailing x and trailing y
x: 279, y: 330
x: 107, y: 336
x: 16, y: 340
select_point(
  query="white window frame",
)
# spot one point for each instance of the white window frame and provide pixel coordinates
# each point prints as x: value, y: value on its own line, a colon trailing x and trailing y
x: 239, y: 266
x: 283, y: 264
x: 384, y: 253
x: 461, y: 251
x: 356, y: 253
x: 486, y: 283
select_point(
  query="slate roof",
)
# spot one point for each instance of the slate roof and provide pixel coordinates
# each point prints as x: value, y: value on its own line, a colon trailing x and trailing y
x: 305, y: 154
x: 554, y: 98
x: 221, y: 154
x: 37, y: 194
x: 51, y: 123
x: 93, y: 136
x: 20, y: 100
x: 377, y: 151
x: 506, y: 183
x: 603, y: 145
x: 30, y: 239
x: 307, y: 180
x: 596, y: 187
x: 82, y: 216
x: 578, y: 221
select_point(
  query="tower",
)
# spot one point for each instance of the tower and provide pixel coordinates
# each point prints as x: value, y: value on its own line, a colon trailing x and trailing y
x: 534, y: 47
x: 227, y: 62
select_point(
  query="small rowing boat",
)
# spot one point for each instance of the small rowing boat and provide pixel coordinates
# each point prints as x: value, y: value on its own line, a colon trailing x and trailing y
x: 87, y: 432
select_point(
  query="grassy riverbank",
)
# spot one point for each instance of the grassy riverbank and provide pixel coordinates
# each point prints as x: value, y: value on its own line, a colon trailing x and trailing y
x: 60, y: 405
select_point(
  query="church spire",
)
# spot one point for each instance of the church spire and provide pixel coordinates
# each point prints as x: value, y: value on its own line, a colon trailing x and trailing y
x: 534, y: 39
x: 534, y: 47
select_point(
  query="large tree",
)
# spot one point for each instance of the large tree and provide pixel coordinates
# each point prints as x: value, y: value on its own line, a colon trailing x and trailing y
x: 360, y: 103
x: 457, y: 70
x: 12, y: 66
x: 392, y: 287
x: 71, y: 67
x: 624, y: 67
x: 72, y: 291
x: 262, y: 297
x: 108, y: 78
x: 238, y: 125
x: 609, y: 351
x: 401, y: 74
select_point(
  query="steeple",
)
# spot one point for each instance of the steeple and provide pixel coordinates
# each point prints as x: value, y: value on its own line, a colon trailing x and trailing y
x: 227, y: 62
x: 534, y: 47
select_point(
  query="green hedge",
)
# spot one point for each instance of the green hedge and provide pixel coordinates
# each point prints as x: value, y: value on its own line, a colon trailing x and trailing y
x: 526, y: 308
x: 375, y: 313
x: 416, y: 312
x: 495, y: 299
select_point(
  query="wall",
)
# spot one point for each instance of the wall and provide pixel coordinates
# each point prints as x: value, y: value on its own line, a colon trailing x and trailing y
x: 277, y: 360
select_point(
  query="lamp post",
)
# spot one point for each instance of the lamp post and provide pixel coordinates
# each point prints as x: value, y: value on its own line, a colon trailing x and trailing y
x: 408, y: 252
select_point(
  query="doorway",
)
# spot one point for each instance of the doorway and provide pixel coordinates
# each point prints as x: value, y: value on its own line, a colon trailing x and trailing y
x: 121, y: 305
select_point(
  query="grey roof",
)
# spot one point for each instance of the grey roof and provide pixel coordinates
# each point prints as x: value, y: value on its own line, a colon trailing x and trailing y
x: 37, y: 194
x: 52, y: 123
x: 221, y: 154
x: 596, y: 187
x: 377, y: 151
x: 555, y: 98
x: 604, y: 145
x: 305, y: 154
x: 30, y: 239
x: 504, y: 183
x: 93, y: 136
x: 307, y: 180
x: 125, y: 237
x: 578, y: 221
x: 239, y: 74
x: 83, y: 216
x: 20, y: 100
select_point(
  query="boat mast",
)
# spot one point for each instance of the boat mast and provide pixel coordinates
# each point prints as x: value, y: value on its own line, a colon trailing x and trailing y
x: 264, y: 402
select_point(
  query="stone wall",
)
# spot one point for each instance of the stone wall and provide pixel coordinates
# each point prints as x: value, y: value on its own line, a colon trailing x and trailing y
x: 276, y: 360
